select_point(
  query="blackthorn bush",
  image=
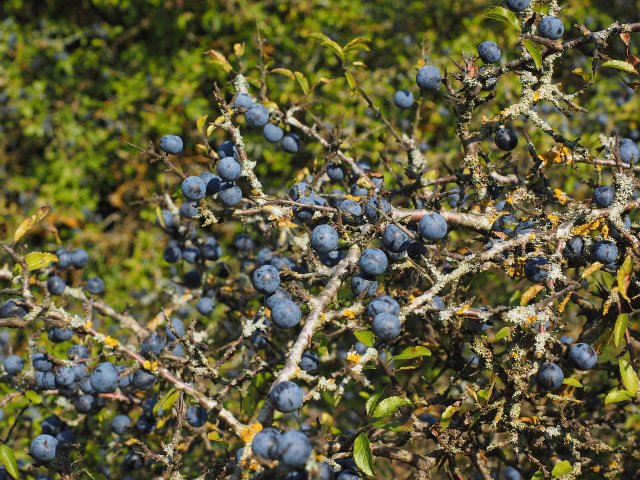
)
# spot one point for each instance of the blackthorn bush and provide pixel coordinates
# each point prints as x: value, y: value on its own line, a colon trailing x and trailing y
x: 397, y: 296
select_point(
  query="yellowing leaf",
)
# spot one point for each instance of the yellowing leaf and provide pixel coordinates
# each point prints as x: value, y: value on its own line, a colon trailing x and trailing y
x: 530, y: 294
x: 591, y: 268
x: 28, y: 223
x: 284, y: 71
x: 220, y: 59
x: 357, y: 43
x: 624, y: 277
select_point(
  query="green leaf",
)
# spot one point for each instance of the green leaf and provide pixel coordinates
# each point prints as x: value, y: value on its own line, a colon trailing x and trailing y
x: 351, y: 81
x: 358, y: 43
x: 390, y: 405
x: 33, y: 397
x: 38, y: 260
x: 365, y: 336
x: 619, y: 328
x: 537, y: 476
x: 573, y: 382
x: 9, y: 460
x: 372, y: 402
x: 362, y: 454
x: 561, y: 468
x: 502, y: 333
x: 629, y: 376
x: 615, y: 396
x: 410, y: 353
x: 624, y: 277
x: 95, y: 475
x: 620, y: 65
x: 167, y: 402
x: 302, y: 81
x: 502, y: 15
x: 533, y: 50
x: 327, y: 42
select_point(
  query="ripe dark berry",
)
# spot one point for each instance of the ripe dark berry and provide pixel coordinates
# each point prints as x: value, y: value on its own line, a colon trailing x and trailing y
x: 286, y: 314
x: 551, y: 27
x: 257, y: 116
x: 628, y: 151
x: 290, y: 143
x: 433, y: 226
x: 373, y: 262
x: 95, y: 286
x: 104, y: 378
x: 242, y: 101
x: 506, y: 139
x: 197, y: 416
x: 193, y: 188
x: 56, y: 285
x: 178, y: 326
x: 120, y: 424
x: 43, y: 448
x: 604, y: 251
x: 386, y: 326
x: 574, y: 248
x: 603, y: 196
x: 383, y: 304
x: 13, y: 364
x: 230, y: 194
x: 229, y: 169
x: 324, y: 238
x: 489, y: 52
x: 583, y: 356
x: 265, y: 443
x: 294, y: 449
x: 59, y: 335
x: 171, y: 144
x: 394, y: 239
x: 309, y: 362
x: 403, y: 99
x: 517, y: 5
x: 428, y: 78
x: 361, y: 283
x: 335, y: 172
x: 550, y: 376
x: 153, y: 345
x: 266, y: 279
x: 287, y: 396
x: 535, y: 270
x: 272, y: 133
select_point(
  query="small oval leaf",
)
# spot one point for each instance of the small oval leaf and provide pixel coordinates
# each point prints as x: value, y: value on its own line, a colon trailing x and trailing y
x: 362, y: 454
